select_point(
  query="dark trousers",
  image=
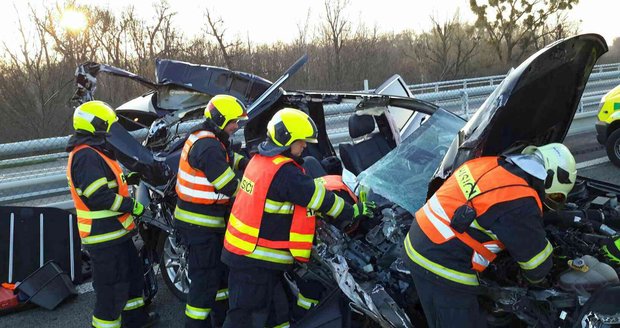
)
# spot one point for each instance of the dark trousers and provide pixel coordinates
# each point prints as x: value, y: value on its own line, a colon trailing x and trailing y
x: 208, y: 292
x: 446, y: 307
x: 257, y: 299
x: 118, y: 283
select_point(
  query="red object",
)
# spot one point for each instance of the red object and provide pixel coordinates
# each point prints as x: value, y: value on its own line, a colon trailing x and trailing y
x: 7, y: 299
x: 8, y: 286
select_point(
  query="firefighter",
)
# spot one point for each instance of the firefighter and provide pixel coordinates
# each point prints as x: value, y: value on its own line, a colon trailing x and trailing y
x: 272, y: 221
x: 205, y: 183
x: 487, y: 205
x: 105, y: 215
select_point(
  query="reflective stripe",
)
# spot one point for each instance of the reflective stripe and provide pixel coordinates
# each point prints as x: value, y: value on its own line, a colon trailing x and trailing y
x: 222, y: 294
x: 308, y: 238
x: 104, y: 237
x: 96, y: 214
x: 242, y: 227
x: 438, y: 269
x: 96, y: 322
x: 199, y: 219
x: 112, y: 184
x: 236, y: 159
x: 305, y: 302
x: 317, y: 198
x: 195, y: 136
x: 201, y: 194
x: 437, y: 208
x: 283, y: 325
x: 489, y: 233
x: 194, y: 179
x: 337, y: 207
x: 196, y: 313
x: 94, y: 187
x: 271, y: 255
x: 275, y: 207
x: 83, y: 227
x: 77, y: 190
x: 127, y: 222
x: 442, y: 227
x: 238, y: 242
x: 479, y: 259
x: 118, y: 199
x: 538, y: 259
x: 493, y: 248
x: 224, y: 178
x: 280, y: 159
x: 134, y: 303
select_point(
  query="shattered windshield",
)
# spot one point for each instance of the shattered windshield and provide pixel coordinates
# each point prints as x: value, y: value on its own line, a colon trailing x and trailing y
x: 402, y: 176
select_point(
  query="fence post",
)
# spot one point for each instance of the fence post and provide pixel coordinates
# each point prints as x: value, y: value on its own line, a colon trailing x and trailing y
x: 465, y: 103
x: 366, y: 85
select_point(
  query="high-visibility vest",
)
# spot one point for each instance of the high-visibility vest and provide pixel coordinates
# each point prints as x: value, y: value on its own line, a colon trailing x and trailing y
x: 243, y: 230
x: 85, y: 216
x: 192, y: 184
x: 335, y: 183
x: 479, y: 183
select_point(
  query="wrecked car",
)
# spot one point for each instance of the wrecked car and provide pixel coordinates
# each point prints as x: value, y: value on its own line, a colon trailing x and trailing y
x: 402, y: 150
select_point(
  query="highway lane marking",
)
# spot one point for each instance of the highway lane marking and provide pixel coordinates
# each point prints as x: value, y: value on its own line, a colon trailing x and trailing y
x: 592, y: 162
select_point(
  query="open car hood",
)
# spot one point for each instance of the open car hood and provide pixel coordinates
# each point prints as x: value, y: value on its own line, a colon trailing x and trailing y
x: 210, y: 80
x: 535, y: 103
x: 173, y: 75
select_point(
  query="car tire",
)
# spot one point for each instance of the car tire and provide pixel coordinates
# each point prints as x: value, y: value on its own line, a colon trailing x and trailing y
x: 612, y: 146
x: 173, y: 265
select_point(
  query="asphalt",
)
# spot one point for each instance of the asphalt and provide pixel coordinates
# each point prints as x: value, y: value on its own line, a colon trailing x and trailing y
x: 77, y: 312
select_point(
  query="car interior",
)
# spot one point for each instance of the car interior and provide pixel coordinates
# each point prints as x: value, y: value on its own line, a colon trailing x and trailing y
x: 367, y: 147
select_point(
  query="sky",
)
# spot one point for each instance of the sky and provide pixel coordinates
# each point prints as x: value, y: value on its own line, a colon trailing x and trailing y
x: 267, y: 21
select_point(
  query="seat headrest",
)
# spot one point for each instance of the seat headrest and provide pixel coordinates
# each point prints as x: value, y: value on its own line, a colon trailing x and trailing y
x: 361, y: 125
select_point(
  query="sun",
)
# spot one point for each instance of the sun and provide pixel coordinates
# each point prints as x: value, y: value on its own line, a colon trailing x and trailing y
x: 73, y: 20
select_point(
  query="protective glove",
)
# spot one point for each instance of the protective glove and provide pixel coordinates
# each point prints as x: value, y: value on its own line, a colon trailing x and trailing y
x: 611, y: 250
x: 138, y: 209
x: 364, y: 210
x: 133, y: 178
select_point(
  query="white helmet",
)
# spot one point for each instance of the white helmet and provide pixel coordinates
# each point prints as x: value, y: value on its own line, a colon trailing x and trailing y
x: 561, y: 172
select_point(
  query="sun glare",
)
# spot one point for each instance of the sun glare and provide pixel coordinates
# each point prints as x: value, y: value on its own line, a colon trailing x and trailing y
x: 73, y: 20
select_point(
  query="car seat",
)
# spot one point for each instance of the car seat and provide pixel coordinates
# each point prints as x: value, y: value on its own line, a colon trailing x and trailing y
x: 367, y: 149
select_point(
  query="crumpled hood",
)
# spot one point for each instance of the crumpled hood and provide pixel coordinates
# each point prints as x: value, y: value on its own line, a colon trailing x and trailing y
x: 534, y: 105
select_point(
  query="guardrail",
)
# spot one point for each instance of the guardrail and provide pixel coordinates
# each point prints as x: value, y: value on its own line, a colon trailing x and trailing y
x: 47, y: 180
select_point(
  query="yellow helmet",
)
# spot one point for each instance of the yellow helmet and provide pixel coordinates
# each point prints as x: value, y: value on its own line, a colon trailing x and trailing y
x: 222, y: 109
x: 94, y: 116
x: 289, y: 125
x: 561, y: 171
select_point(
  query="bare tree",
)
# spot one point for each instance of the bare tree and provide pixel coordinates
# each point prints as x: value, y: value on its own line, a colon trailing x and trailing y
x: 514, y: 26
x: 216, y: 29
x: 336, y: 29
x: 447, y: 47
x: 302, y: 32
